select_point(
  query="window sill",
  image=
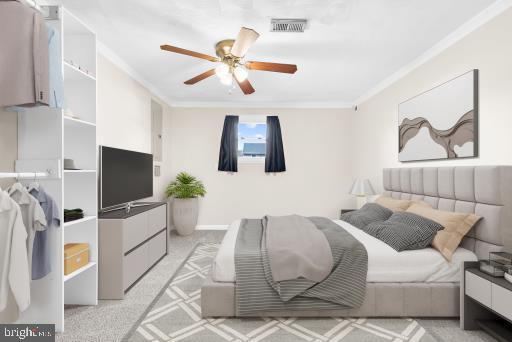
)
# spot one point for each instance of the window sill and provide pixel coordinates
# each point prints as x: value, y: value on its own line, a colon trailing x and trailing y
x: 251, y: 160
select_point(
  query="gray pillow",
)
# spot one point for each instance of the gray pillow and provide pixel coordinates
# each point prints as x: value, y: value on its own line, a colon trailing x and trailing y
x: 405, y: 231
x: 370, y: 212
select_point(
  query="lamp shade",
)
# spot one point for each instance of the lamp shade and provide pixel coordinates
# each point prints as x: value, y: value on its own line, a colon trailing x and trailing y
x: 362, y: 187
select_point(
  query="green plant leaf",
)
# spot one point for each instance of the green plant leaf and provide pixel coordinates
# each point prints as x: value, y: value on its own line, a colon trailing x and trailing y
x: 185, y: 186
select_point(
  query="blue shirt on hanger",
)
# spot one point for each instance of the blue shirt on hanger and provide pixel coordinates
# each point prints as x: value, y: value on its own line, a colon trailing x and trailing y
x: 41, y: 253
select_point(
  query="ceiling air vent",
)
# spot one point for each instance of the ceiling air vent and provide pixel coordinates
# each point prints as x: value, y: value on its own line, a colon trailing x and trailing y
x: 288, y: 25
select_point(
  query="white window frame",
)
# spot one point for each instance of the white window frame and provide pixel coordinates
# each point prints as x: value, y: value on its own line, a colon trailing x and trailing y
x: 257, y: 119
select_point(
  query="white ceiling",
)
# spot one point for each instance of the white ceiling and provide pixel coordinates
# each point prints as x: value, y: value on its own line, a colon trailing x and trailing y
x: 349, y: 47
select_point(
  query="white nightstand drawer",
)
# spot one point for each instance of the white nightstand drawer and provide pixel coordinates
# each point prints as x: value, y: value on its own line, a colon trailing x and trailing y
x: 479, y: 289
x: 502, y: 301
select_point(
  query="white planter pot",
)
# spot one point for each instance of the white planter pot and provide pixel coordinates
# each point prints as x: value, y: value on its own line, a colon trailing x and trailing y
x: 184, y: 214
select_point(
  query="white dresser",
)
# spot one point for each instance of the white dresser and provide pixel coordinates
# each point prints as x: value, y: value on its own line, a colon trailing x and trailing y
x: 130, y: 244
x: 486, y: 303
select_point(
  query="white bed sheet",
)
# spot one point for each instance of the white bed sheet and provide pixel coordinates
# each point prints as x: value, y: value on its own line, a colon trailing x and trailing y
x: 385, y: 265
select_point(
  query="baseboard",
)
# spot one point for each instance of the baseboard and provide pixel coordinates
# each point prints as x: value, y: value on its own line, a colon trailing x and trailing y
x: 212, y: 227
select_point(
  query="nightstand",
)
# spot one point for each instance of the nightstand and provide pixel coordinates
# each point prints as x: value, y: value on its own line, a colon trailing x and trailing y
x: 343, y: 211
x: 485, y: 302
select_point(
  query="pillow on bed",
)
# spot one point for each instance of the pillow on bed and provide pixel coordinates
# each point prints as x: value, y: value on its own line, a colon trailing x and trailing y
x: 456, y: 226
x: 397, y: 205
x: 393, y: 204
x: 370, y: 212
x: 405, y: 231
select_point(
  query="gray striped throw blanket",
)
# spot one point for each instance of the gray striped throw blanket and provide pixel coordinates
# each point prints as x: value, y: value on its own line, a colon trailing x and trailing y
x: 256, y: 290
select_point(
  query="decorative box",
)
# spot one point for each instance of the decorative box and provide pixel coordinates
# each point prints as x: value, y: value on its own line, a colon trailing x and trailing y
x: 492, y: 268
x: 503, y: 258
x: 76, y: 255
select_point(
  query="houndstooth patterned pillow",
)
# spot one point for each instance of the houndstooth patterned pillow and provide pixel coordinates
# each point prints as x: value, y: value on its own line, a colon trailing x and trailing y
x: 405, y: 231
x: 370, y: 212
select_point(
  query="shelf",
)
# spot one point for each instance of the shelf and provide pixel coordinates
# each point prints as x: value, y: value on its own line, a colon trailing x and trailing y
x: 79, y: 171
x: 72, y: 72
x: 77, y: 122
x: 75, y: 222
x: 89, y: 266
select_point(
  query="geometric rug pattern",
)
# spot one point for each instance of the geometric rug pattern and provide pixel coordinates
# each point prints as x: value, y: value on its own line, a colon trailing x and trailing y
x: 175, y: 315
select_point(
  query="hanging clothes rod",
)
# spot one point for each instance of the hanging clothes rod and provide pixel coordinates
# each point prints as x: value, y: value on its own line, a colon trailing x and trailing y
x: 27, y: 175
x: 50, y: 12
x: 32, y: 4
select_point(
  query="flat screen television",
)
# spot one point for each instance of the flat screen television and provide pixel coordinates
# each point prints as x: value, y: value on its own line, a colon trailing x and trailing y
x: 125, y: 176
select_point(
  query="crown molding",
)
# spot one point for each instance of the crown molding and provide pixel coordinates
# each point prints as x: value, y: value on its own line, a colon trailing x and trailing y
x: 239, y: 104
x: 462, y: 31
x: 121, y: 64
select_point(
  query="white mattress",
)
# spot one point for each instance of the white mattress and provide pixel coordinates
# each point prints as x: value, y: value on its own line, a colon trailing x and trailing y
x: 385, y: 265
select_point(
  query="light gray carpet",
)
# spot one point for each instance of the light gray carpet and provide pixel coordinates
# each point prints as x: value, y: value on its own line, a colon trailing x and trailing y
x: 176, y: 315
x: 111, y: 320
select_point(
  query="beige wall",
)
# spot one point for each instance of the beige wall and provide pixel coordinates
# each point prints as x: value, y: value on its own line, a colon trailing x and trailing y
x: 317, y: 144
x: 124, y: 113
x: 487, y: 49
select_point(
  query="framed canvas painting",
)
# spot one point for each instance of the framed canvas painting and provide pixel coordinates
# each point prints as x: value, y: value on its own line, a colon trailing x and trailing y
x: 441, y: 123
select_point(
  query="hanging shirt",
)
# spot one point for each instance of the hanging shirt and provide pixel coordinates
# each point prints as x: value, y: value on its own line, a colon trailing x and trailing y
x: 42, y: 250
x: 24, y: 71
x: 32, y: 214
x: 14, y: 271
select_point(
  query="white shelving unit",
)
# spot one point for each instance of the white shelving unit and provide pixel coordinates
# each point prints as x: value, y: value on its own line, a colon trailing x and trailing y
x: 80, y: 186
x: 89, y: 266
x: 76, y: 222
x: 46, y: 136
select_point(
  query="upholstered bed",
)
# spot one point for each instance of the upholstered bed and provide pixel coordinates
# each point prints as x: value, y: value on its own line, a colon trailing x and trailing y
x: 483, y: 190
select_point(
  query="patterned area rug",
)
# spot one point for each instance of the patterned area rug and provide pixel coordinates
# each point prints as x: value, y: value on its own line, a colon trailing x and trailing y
x: 175, y: 315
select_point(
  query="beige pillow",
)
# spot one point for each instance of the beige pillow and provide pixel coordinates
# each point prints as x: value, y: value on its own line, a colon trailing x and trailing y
x: 393, y: 204
x: 396, y: 204
x: 456, y: 226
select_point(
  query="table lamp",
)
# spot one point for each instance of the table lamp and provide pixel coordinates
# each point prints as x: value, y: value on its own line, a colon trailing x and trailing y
x: 362, y: 188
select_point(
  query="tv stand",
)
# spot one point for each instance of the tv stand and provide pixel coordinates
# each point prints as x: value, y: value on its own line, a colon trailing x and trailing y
x: 127, y: 207
x: 130, y: 244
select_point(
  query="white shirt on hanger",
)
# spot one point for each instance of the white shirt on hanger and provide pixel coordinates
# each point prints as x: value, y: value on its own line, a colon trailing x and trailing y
x: 32, y: 214
x: 14, y: 269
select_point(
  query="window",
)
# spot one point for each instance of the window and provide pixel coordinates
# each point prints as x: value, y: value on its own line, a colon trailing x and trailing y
x: 252, y: 137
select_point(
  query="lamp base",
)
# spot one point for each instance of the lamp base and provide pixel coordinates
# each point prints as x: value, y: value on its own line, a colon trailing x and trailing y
x: 361, y: 200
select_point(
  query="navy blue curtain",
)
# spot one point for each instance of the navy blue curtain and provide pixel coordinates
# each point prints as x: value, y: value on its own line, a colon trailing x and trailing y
x: 274, y: 159
x: 228, y: 157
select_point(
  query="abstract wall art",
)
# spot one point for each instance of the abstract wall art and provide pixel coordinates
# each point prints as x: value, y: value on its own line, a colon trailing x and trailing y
x: 441, y: 123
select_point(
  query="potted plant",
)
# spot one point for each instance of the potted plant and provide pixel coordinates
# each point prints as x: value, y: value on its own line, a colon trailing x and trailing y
x: 185, y: 190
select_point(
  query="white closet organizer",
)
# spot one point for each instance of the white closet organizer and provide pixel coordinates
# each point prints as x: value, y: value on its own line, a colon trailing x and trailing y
x: 46, y: 136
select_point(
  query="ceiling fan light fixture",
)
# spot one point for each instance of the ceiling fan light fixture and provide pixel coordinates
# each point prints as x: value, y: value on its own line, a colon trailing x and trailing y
x: 240, y: 73
x: 227, y: 80
x: 222, y: 70
x: 231, y: 55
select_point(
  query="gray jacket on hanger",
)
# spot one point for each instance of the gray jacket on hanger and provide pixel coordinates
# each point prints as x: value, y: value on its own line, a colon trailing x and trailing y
x: 24, y: 66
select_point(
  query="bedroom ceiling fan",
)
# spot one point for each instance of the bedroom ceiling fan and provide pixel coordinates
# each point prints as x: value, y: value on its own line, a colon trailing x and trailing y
x: 230, y: 54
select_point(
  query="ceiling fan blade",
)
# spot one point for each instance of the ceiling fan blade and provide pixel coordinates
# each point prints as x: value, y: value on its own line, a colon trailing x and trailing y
x: 246, y: 86
x: 188, y: 53
x: 275, y: 67
x: 246, y: 37
x: 201, y: 77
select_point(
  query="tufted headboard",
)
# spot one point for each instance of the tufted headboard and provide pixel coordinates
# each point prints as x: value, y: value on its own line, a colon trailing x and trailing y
x: 483, y: 190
